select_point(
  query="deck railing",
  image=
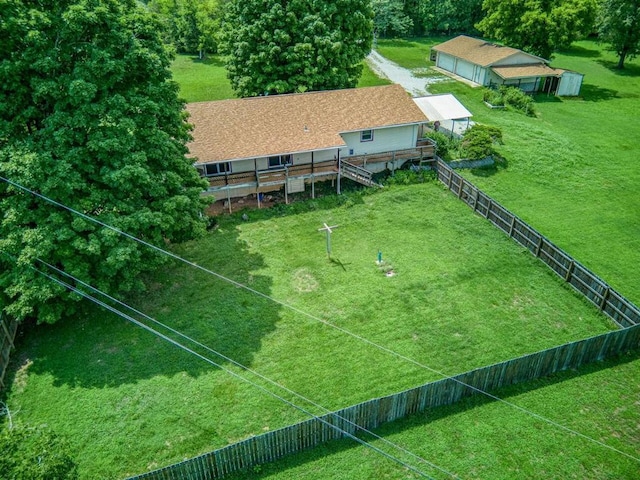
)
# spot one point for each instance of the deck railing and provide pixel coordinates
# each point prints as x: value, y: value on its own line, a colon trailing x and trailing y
x: 425, y: 149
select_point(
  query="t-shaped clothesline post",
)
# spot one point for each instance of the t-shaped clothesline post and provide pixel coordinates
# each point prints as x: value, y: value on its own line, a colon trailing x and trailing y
x: 329, y: 230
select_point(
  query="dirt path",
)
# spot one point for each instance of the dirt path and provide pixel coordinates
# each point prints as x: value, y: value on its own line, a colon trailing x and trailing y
x: 385, y: 68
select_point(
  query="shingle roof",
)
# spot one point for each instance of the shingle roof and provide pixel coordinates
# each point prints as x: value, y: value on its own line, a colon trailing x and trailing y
x: 526, y: 71
x: 478, y: 51
x: 263, y: 126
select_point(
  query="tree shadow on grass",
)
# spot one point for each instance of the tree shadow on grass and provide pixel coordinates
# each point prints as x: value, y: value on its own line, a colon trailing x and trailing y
x: 578, y: 51
x: 465, y: 405
x: 593, y: 93
x: 213, y: 60
x: 500, y: 164
x: 629, y: 70
x: 100, y: 349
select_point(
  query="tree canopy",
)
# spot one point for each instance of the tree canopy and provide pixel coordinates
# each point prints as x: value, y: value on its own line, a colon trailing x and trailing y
x: 619, y: 26
x: 389, y: 18
x: 538, y: 26
x: 35, y: 453
x: 89, y: 117
x: 191, y: 26
x: 449, y: 16
x: 276, y: 46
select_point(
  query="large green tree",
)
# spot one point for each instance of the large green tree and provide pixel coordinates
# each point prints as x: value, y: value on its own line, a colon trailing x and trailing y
x: 191, y: 26
x: 35, y: 453
x: 280, y: 46
x: 619, y: 26
x: 390, y: 19
x: 538, y: 26
x: 450, y: 16
x: 90, y: 117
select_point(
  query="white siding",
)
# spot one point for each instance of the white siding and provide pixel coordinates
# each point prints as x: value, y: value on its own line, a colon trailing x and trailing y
x: 570, y: 84
x: 446, y: 62
x: 263, y: 163
x: 302, y: 158
x: 464, y: 69
x: 384, y: 140
x: 480, y: 75
x: 324, y: 155
x: 243, y: 166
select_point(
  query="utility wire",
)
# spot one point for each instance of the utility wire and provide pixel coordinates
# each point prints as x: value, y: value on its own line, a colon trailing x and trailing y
x: 243, y: 367
x: 325, y: 322
x: 230, y: 372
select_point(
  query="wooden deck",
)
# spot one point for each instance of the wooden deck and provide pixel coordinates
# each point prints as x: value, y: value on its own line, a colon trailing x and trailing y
x: 273, y: 179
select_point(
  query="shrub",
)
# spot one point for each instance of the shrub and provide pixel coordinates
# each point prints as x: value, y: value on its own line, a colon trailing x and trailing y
x: 446, y: 148
x: 517, y: 99
x: 493, y: 97
x: 34, y: 453
x: 478, y: 141
x: 408, y: 177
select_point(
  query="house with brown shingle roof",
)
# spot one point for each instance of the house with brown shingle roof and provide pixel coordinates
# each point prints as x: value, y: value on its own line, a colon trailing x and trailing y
x: 261, y: 144
x: 485, y: 63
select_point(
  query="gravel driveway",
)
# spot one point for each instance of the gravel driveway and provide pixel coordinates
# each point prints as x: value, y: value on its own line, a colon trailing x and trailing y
x: 385, y: 68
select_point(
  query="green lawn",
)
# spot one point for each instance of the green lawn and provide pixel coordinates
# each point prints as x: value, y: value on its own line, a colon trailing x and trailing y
x: 201, y: 80
x: 205, y: 80
x: 573, y: 171
x: 481, y: 439
x: 464, y: 296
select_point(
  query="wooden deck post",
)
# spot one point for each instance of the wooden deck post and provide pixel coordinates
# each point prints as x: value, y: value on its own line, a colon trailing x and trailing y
x: 339, y: 168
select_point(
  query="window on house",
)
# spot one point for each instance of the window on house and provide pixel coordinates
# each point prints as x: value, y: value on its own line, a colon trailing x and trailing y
x: 212, y: 169
x: 280, y: 161
x: 366, y: 135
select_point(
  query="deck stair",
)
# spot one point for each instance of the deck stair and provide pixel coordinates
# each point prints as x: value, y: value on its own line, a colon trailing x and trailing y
x: 357, y: 174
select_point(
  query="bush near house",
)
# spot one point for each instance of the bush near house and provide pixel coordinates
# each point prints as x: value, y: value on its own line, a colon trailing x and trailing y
x: 510, y: 97
x: 478, y: 142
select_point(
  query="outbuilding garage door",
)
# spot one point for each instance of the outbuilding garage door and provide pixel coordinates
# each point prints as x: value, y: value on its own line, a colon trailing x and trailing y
x: 446, y: 62
x: 464, y: 69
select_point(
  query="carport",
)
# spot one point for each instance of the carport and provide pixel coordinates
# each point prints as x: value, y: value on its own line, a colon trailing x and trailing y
x: 445, y: 113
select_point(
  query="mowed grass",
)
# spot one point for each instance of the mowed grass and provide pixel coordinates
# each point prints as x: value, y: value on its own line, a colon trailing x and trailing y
x: 206, y: 80
x: 478, y: 438
x: 573, y: 170
x: 128, y: 401
x: 201, y: 80
x: 463, y: 296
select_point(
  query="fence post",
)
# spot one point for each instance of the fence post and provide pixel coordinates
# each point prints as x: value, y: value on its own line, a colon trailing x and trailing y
x: 513, y: 223
x: 567, y: 277
x: 605, y: 296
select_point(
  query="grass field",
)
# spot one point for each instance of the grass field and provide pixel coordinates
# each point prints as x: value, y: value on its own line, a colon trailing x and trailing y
x: 205, y: 80
x: 464, y: 296
x: 573, y: 171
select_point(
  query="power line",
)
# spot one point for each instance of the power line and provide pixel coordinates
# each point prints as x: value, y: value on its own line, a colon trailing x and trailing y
x: 238, y: 364
x: 230, y: 372
x: 325, y: 322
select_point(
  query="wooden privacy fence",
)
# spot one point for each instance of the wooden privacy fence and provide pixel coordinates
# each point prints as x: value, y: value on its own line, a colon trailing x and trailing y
x: 371, y: 414
x: 597, y: 291
x: 8, y: 329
